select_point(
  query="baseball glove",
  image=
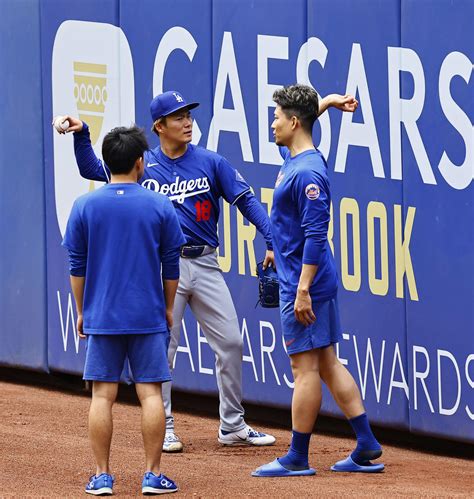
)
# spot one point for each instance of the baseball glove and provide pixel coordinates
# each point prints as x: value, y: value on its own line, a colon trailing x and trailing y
x: 268, y: 287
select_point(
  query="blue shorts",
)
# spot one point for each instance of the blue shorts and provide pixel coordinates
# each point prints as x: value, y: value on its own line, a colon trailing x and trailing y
x: 325, y: 331
x: 147, y: 355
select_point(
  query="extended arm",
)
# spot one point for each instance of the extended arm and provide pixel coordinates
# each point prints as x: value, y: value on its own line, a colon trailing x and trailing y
x: 254, y: 212
x: 90, y: 166
x: 345, y: 103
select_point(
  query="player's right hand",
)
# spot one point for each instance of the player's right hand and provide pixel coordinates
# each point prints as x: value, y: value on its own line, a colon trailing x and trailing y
x: 304, y: 309
x: 80, y: 327
x: 269, y: 259
x: 75, y: 124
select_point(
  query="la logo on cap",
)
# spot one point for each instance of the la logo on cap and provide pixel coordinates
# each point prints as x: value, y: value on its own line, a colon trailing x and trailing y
x: 178, y: 97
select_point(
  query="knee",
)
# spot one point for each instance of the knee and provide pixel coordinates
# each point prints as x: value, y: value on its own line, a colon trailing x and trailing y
x: 236, y: 344
x: 329, y: 367
x: 104, y: 393
x: 234, y: 341
x: 302, y: 371
x: 149, y: 393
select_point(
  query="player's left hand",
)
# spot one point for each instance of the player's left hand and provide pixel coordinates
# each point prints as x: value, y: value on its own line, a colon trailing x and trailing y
x: 304, y: 308
x: 269, y: 259
x: 346, y: 103
x: 80, y: 326
x: 169, y: 318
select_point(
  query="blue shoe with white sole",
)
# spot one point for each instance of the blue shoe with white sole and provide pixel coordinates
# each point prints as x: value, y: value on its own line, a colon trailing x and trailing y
x: 101, y: 485
x: 157, y: 484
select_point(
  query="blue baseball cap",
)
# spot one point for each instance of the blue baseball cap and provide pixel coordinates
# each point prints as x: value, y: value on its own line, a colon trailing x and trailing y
x: 168, y: 103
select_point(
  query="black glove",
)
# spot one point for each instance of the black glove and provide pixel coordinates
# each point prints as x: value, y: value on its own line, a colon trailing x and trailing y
x: 268, y: 287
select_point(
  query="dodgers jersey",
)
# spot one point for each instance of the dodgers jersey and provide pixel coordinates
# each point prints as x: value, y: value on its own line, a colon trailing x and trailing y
x: 299, y: 221
x: 107, y: 231
x: 194, y: 182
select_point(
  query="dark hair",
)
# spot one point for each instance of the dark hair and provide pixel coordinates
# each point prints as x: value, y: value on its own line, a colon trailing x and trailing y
x: 122, y: 146
x: 300, y: 101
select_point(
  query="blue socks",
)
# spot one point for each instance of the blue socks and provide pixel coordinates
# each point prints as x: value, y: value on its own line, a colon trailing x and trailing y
x: 367, y: 445
x: 367, y: 448
x: 297, y: 457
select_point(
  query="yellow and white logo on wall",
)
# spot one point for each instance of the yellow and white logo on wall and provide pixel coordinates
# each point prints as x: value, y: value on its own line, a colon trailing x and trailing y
x: 92, y: 79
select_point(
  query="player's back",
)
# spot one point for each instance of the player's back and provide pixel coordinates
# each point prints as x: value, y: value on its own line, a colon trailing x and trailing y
x: 126, y: 229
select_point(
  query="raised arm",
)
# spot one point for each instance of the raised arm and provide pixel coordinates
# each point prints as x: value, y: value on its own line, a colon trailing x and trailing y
x: 90, y: 166
x: 345, y: 103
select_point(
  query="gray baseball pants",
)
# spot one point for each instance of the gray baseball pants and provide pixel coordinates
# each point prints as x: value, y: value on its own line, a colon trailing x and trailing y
x: 202, y: 286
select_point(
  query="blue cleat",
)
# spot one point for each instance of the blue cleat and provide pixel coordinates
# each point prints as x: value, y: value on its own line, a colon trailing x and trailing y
x: 349, y: 466
x: 275, y: 469
x: 157, y: 484
x: 101, y: 485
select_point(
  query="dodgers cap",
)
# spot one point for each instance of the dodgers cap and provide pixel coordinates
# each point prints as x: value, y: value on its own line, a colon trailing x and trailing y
x: 168, y: 103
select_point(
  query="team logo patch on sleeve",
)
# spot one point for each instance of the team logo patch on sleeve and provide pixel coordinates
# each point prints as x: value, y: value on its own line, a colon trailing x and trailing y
x: 312, y: 191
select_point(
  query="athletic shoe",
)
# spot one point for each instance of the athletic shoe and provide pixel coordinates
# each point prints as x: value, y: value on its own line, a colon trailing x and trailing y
x: 157, y: 484
x: 245, y: 436
x: 101, y: 485
x: 172, y: 443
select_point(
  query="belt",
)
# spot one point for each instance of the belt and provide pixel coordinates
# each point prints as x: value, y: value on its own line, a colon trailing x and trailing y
x: 189, y: 251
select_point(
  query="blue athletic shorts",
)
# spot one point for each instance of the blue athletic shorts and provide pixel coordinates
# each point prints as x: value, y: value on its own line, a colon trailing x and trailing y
x: 325, y: 331
x: 147, y: 355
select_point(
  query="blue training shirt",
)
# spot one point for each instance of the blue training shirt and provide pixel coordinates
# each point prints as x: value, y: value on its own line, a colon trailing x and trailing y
x: 299, y: 221
x: 194, y: 182
x: 123, y: 255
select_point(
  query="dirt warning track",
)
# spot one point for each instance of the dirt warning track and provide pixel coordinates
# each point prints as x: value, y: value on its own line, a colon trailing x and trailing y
x: 45, y: 453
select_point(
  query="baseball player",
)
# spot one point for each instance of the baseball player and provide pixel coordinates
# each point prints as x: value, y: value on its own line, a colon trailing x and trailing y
x: 105, y: 242
x: 195, y: 179
x: 308, y: 289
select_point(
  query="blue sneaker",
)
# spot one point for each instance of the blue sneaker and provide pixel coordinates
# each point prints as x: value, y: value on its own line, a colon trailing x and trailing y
x: 157, y: 484
x: 101, y: 485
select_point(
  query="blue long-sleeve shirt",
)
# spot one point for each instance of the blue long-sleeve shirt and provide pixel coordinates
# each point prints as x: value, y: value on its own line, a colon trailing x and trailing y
x: 194, y: 182
x: 299, y: 221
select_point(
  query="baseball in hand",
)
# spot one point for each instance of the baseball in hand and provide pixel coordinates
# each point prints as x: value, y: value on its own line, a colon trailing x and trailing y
x: 60, y: 125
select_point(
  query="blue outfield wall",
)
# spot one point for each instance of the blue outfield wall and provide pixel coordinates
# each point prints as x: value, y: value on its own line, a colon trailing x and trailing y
x: 23, y: 341
x: 401, y: 169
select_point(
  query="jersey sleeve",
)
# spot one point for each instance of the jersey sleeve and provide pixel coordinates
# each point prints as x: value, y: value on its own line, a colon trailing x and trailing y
x: 254, y: 212
x: 230, y: 182
x: 310, y: 193
x: 76, y: 243
x: 171, y: 239
x: 90, y: 166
